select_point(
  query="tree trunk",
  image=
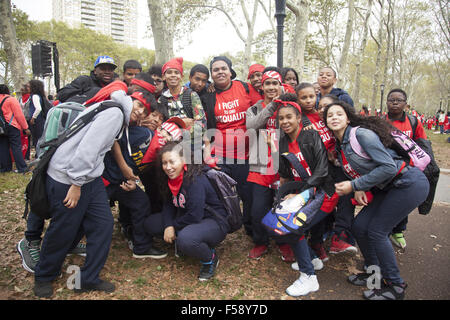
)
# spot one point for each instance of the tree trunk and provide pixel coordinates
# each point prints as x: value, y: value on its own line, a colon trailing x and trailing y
x: 388, y: 43
x: 162, y: 31
x: 346, y: 46
x: 301, y: 10
x: 11, y: 45
x: 379, y: 43
x: 250, y: 34
x: 361, y: 55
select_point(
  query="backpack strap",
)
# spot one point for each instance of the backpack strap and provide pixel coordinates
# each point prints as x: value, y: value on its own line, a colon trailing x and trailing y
x: 296, y: 164
x: 355, y: 144
x: 186, y: 101
x: 413, y: 122
x: 305, y: 121
x: 245, y: 85
x: 1, y: 111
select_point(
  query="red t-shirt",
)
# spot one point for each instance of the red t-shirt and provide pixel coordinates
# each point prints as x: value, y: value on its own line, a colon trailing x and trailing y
x: 230, y: 110
x: 266, y: 180
x: 328, y: 139
x: 405, y: 127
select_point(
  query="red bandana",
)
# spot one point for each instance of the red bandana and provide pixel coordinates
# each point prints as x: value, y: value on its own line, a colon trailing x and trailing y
x: 175, y: 184
x: 144, y: 84
x: 140, y: 96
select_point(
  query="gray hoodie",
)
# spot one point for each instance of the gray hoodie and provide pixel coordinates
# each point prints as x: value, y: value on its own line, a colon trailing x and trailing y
x: 79, y: 160
x: 256, y: 119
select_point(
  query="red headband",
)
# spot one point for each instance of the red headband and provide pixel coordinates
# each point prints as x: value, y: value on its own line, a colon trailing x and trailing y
x: 271, y: 75
x: 140, y: 96
x: 144, y: 84
x: 289, y: 103
x: 175, y: 63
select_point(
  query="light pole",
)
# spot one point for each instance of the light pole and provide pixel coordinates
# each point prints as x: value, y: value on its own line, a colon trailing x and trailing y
x: 382, y: 94
x: 280, y: 14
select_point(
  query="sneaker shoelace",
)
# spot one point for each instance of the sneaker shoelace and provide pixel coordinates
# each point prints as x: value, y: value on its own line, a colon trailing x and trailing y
x: 34, y: 253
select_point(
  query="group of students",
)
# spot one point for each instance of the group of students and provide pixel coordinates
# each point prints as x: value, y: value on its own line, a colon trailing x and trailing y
x: 145, y: 139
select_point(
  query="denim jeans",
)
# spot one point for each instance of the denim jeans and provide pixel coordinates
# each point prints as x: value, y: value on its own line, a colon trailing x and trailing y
x: 13, y: 141
x: 374, y: 223
x: 302, y: 251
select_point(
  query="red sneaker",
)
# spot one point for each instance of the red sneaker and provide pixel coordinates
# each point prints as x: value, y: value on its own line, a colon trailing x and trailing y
x: 338, y: 245
x: 286, y: 253
x: 257, y: 252
x: 319, y: 249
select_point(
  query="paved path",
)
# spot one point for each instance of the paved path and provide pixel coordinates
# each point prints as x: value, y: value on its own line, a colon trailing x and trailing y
x: 424, y: 264
x: 443, y: 188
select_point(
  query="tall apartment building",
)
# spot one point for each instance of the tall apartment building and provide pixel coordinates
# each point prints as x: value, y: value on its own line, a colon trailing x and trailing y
x: 116, y: 18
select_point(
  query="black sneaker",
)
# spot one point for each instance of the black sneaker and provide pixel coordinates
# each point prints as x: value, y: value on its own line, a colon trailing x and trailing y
x: 359, y: 279
x: 152, y: 252
x: 208, y: 269
x: 103, y: 285
x: 388, y: 291
x: 43, y: 289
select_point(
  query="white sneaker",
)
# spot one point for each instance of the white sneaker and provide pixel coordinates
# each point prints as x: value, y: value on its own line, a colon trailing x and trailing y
x: 303, y: 285
x: 317, y: 263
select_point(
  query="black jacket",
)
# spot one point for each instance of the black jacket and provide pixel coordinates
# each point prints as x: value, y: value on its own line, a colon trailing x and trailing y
x: 316, y: 157
x: 80, y: 90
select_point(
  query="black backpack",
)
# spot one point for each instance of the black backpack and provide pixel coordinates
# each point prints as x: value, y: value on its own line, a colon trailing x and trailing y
x: 186, y: 101
x: 2, y: 119
x: 226, y: 190
x: 36, y: 198
x: 46, y: 106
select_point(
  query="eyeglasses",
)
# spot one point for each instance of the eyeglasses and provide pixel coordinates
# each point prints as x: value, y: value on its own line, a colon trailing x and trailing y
x: 396, y: 100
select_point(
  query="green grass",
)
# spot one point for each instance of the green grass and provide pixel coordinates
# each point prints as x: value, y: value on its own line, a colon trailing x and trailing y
x: 11, y: 181
x: 437, y: 138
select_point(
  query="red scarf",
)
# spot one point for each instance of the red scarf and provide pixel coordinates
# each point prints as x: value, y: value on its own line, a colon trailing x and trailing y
x: 175, y: 184
x: 105, y: 92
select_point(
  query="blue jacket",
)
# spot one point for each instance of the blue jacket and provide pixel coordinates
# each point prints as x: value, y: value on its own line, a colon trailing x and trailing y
x: 340, y: 93
x: 188, y: 207
x: 138, y: 139
x: 377, y: 171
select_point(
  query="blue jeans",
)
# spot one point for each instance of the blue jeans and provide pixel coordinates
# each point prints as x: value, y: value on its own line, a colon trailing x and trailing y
x: 302, y: 251
x: 374, y: 223
x: 13, y: 141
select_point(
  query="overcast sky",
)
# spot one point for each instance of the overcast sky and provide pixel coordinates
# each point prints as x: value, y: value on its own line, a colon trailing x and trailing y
x: 196, y: 51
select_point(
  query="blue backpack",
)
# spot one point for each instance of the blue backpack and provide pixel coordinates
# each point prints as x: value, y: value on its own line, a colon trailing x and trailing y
x: 293, y: 216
